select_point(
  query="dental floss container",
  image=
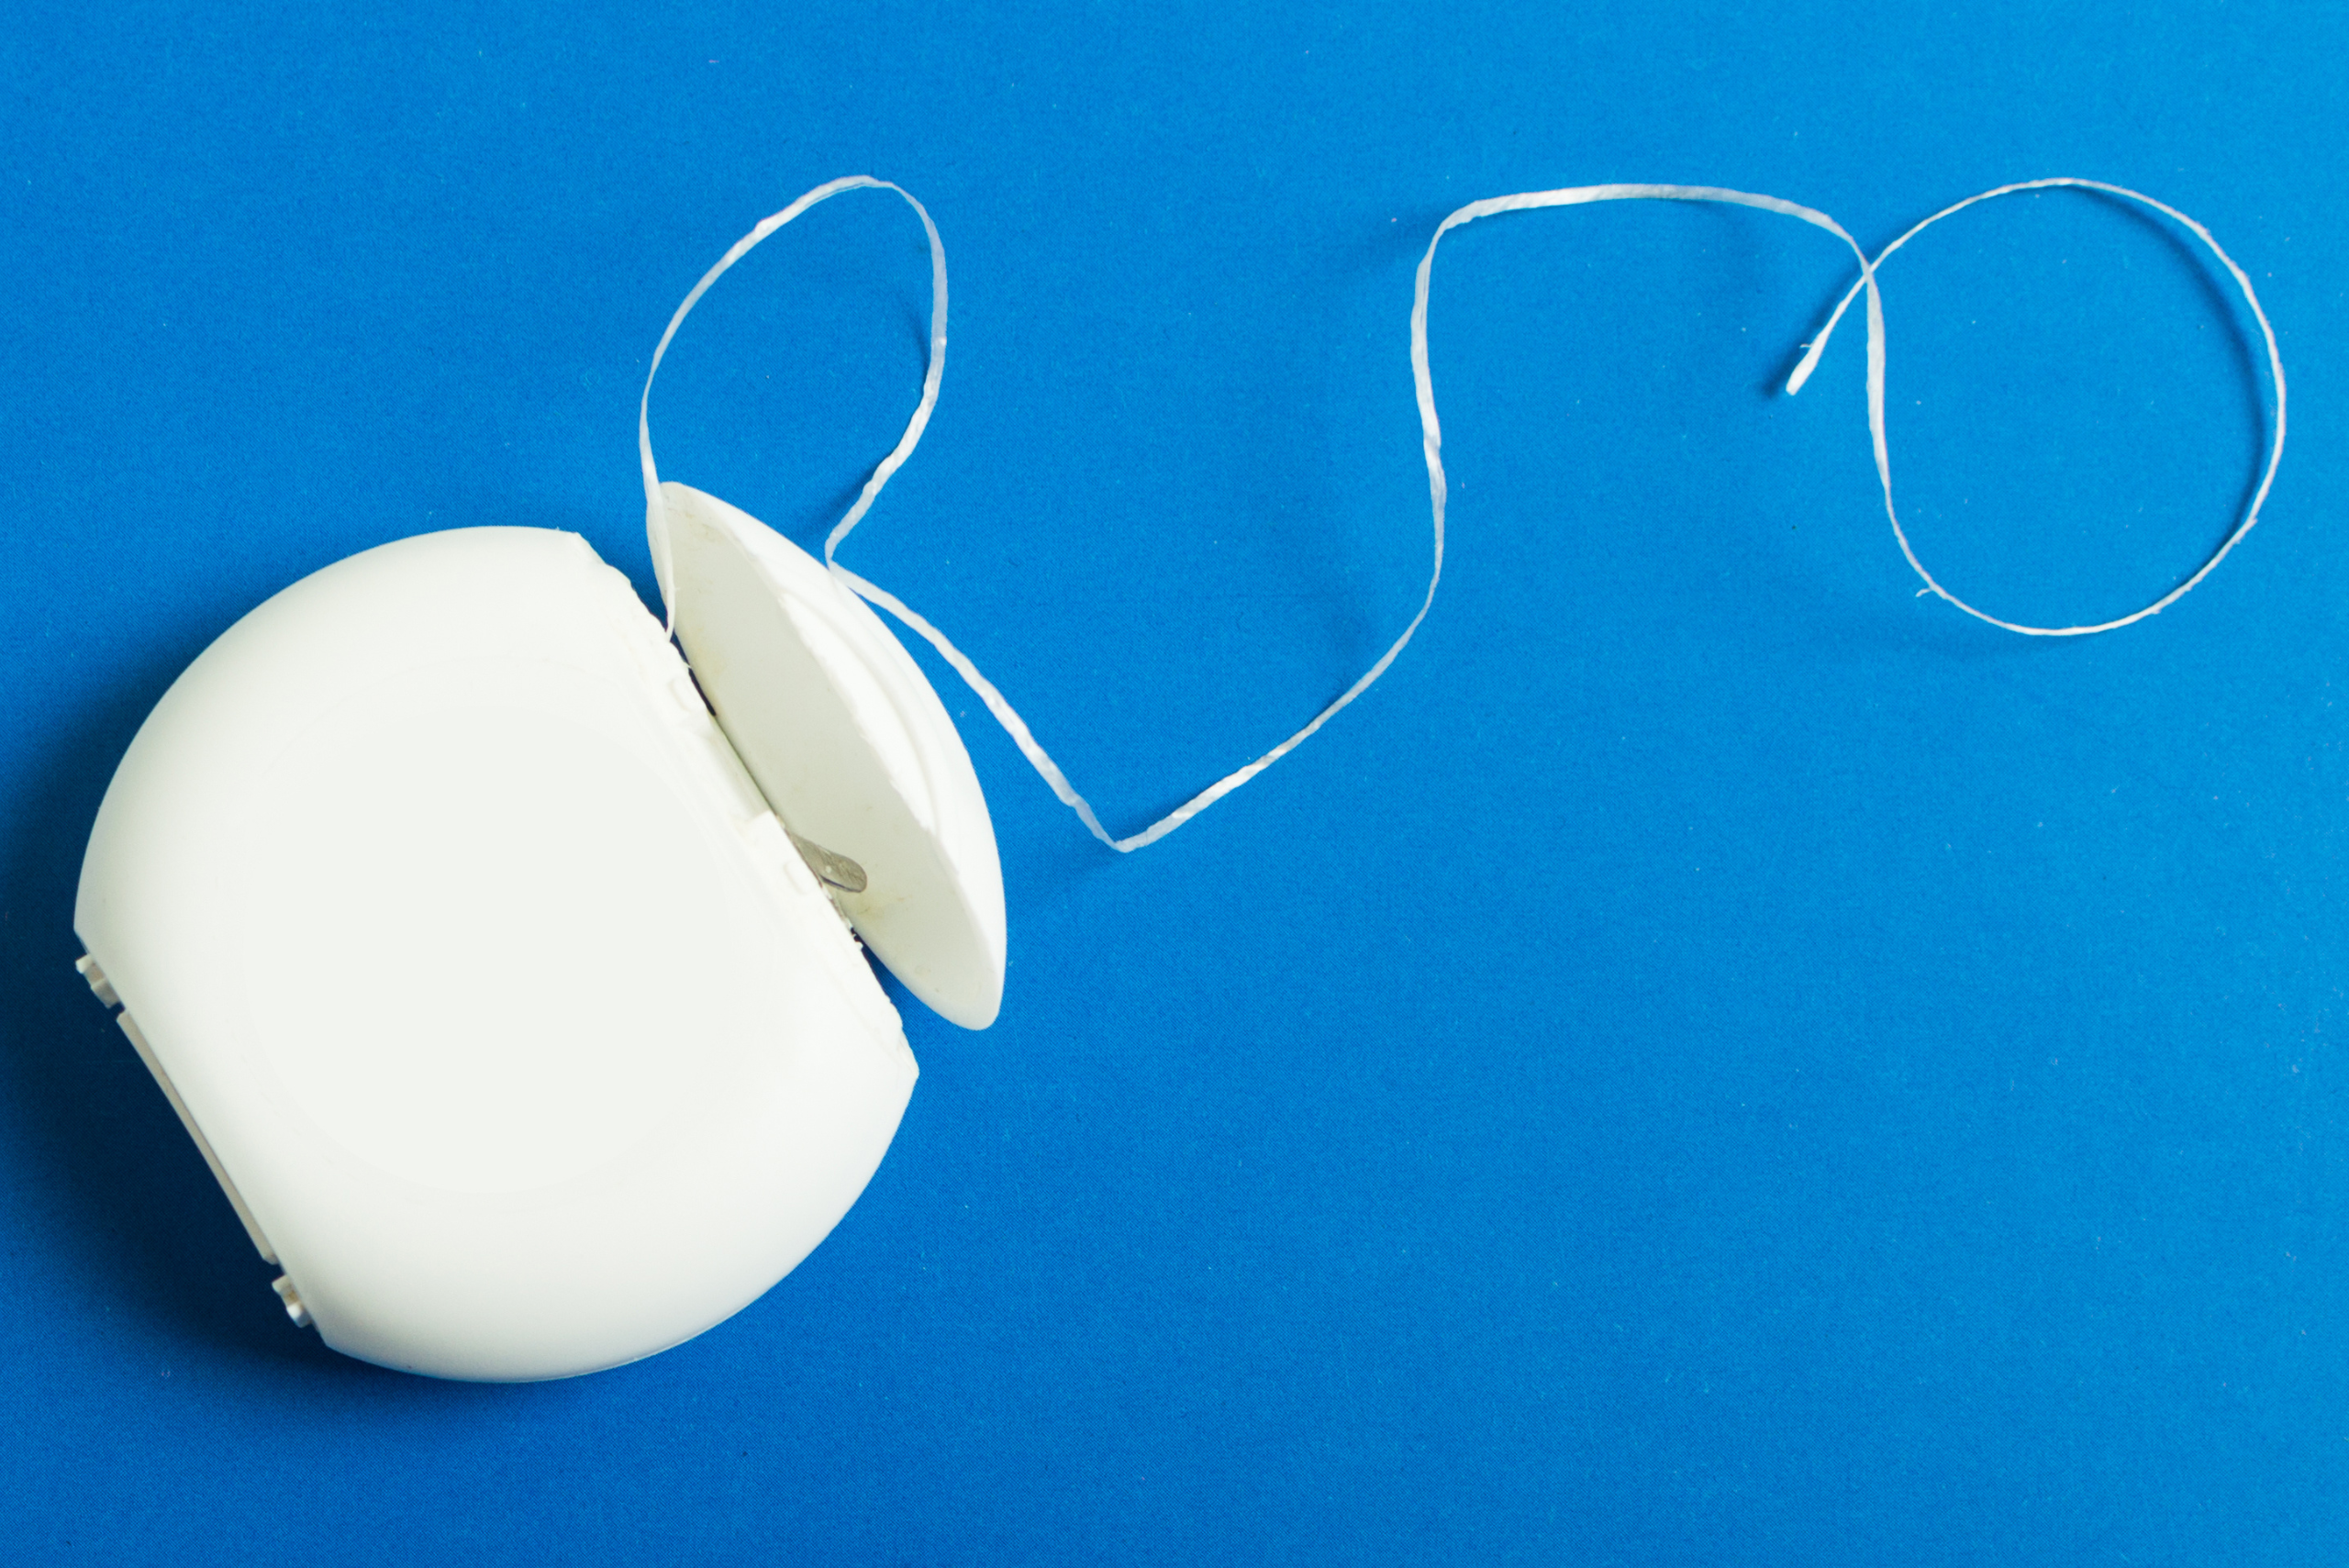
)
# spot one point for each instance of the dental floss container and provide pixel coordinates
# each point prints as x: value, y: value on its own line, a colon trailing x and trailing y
x: 512, y: 991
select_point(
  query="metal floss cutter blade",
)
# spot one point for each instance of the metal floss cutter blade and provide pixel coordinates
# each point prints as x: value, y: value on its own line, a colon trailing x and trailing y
x: 488, y: 970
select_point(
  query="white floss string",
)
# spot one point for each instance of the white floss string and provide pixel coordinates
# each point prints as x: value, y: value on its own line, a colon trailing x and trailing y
x: 657, y: 527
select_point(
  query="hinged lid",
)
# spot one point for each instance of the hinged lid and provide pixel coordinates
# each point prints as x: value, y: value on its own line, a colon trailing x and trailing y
x: 849, y: 743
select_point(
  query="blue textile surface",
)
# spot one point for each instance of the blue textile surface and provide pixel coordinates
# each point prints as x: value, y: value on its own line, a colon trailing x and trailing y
x: 1717, y: 1060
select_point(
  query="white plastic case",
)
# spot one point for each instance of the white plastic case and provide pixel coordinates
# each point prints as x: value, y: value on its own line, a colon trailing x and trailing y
x: 489, y: 970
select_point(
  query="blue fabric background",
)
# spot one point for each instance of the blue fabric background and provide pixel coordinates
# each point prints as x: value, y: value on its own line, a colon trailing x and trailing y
x: 1715, y: 1061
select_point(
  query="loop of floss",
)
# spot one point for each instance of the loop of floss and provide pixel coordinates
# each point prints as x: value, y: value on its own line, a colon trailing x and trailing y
x: 1431, y: 441
x: 1875, y: 401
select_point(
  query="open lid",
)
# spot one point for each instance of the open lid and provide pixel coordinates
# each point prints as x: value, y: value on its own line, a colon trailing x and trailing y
x: 833, y: 719
x: 850, y: 744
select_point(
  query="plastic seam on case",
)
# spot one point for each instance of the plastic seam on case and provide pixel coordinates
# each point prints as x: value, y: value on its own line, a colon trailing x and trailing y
x: 202, y: 1144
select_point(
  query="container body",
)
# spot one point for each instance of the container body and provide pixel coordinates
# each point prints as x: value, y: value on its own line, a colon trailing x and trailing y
x: 519, y: 1032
